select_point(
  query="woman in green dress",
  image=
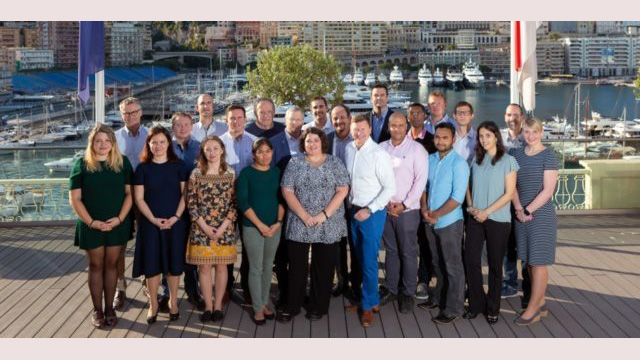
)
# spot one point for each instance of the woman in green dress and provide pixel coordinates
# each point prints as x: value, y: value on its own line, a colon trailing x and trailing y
x: 100, y: 194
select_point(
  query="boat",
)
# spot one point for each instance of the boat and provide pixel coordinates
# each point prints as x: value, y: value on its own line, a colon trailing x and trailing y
x: 438, y: 79
x: 454, y: 78
x: 64, y: 164
x: 358, y: 76
x: 370, y: 79
x: 347, y: 79
x: 472, y: 75
x: 424, y: 76
x: 396, y: 76
x: 360, y: 91
x: 382, y: 78
x: 9, y: 147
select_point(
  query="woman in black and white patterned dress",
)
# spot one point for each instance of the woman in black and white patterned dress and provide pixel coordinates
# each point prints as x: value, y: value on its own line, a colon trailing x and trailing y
x: 314, y: 188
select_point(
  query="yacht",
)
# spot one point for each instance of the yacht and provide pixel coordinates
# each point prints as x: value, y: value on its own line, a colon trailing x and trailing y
x: 424, y: 76
x: 360, y: 91
x: 64, y: 164
x: 347, y: 79
x: 358, y: 77
x: 382, y: 78
x: 438, y: 79
x: 396, y: 76
x: 454, y: 78
x: 473, y: 77
x: 370, y: 79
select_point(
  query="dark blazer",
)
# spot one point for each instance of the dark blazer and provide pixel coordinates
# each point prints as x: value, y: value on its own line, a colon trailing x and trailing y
x: 330, y: 137
x: 384, y: 133
x: 427, y: 142
x: 281, y: 153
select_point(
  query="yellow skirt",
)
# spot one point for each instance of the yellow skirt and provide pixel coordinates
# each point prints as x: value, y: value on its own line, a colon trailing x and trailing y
x: 211, y: 255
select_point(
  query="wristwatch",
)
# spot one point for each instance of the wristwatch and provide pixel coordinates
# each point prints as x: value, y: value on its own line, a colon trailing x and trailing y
x: 526, y: 212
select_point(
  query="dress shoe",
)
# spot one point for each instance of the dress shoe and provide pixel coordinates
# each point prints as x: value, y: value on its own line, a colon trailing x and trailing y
x: 444, y: 319
x: 366, y: 318
x: 468, y: 314
x: 97, y: 318
x: 428, y: 305
x: 163, y: 304
x: 269, y: 316
x: 152, y: 319
x: 285, y: 316
x: 313, y: 315
x: 386, y: 296
x: 217, y: 315
x: 259, y: 322
x: 526, y: 322
x: 405, y: 304
x: 206, y: 316
x: 119, y: 299
x: 174, y: 317
x: 492, y: 319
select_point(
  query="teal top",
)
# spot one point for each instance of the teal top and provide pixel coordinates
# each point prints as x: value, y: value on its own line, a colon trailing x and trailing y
x: 259, y: 190
x: 488, y: 184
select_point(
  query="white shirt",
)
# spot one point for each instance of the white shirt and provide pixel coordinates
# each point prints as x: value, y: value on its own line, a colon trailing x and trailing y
x: 370, y: 169
x: 327, y: 129
x: 216, y: 128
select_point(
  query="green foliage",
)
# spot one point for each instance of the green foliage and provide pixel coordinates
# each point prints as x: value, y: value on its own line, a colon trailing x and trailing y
x: 295, y: 74
x: 636, y: 83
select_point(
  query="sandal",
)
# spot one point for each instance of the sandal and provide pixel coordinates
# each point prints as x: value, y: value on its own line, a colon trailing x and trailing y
x: 111, y: 318
x: 97, y: 318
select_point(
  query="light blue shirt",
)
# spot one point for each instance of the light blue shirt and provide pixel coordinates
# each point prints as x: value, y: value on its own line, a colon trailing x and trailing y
x: 430, y: 127
x: 377, y: 122
x: 448, y: 179
x: 465, y: 146
x: 488, y: 184
x: 131, y: 146
x: 339, y: 146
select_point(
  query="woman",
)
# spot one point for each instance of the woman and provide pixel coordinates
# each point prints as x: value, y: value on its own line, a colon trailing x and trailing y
x: 536, y: 226
x: 493, y: 183
x: 101, y: 197
x: 257, y: 192
x: 212, y: 206
x: 159, y: 194
x: 314, y: 187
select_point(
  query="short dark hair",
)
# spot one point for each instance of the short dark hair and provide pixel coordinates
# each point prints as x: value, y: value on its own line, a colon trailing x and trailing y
x: 263, y: 99
x: 518, y: 106
x: 230, y: 108
x: 446, y: 125
x: 342, y: 106
x: 316, y: 98
x: 380, y: 86
x: 178, y: 115
x: 461, y: 104
x: 323, y: 139
x: 361, y: 117
x: 417, y: 104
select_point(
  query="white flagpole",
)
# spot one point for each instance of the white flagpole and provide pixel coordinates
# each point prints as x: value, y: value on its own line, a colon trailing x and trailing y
x: 98, y: 110
x: 515, y: 94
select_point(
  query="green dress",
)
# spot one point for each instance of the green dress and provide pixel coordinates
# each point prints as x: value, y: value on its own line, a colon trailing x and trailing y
x: 103, y: 193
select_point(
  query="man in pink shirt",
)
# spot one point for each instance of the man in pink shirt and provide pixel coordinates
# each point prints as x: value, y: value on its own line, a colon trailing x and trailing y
x: 410, y: 167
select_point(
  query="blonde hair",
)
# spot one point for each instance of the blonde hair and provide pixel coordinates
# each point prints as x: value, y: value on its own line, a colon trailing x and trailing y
x: 114, y: 159
x: 534, y: 123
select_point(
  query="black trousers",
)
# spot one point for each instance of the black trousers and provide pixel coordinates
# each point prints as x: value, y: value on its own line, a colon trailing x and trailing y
x: 496, y: 235
x: 281, y: 267
x: 323, y: 261
x: 342, y: 268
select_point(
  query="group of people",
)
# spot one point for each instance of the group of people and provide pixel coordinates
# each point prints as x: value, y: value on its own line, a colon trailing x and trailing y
x: 433, y: 189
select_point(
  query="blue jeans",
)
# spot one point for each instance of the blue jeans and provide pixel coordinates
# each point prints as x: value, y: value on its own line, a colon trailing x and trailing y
x: 367, y: 236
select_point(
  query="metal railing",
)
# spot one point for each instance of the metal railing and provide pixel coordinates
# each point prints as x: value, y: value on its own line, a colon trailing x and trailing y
x: 570, y: 191
x: 35, y: 200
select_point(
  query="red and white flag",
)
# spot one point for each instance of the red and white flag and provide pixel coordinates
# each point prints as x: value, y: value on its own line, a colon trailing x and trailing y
x: 524, y: 68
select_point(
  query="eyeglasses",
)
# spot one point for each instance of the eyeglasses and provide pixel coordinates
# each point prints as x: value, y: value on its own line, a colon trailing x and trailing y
x: 130, y: 112
x: 463, y: 112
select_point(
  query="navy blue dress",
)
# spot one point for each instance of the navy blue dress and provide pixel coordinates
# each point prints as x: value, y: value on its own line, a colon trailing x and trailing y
x: 160, y: 251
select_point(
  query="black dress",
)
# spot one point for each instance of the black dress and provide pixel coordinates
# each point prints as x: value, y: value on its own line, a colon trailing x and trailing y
x: 160, y: 251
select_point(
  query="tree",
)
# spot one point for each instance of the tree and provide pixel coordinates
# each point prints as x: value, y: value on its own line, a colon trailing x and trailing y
x: 636, y: 83
x: 295, y: 74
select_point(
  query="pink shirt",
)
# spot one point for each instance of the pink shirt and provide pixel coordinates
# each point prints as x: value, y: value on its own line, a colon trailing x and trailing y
x: 411, y: 169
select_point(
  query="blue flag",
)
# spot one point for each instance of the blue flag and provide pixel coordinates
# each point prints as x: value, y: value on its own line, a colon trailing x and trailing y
x: 90, y: 55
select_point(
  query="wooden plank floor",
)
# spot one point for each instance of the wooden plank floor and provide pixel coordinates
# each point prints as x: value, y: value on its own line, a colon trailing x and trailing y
x: 594, y: 291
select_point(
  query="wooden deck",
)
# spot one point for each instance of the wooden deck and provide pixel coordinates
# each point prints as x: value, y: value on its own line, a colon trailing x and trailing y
x: 594, y: 291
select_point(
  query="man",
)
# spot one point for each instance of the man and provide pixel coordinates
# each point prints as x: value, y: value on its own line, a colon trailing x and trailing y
x: 131, y: 141
x: 418, y: 132
x: 372, y: 186
x: 379, y: 118
x: 400, y: 239
x: 319, y: 110
x: 448, y: 180
x: 206, y: 126
x: 338, y: 140
x: 438, y: 107
x: 187, y: 149
x: 264, y: 126
x: 513, y: 138
x: 465, y: 144
x: 238, y: 145
x: 286, y: 146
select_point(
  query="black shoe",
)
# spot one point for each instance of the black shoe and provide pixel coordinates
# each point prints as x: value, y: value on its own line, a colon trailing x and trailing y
x: 285, y: 316
x: 444, y: 319
x: 405, y: 304
x: 428, y: 305
x: 338, y: 288
x: 174, y: 317
x: 217, y: 315
x: 469, y: 315
x: 259, y: 322
x: 152, y: 319
x: 313, y: 315
x: 269, y: 316
x: 492, y: 319
x: 163, y: 304
x: 206, y: 316
x: 386, y: 296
